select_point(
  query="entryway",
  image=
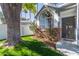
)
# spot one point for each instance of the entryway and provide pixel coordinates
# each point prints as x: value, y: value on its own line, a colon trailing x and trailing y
x: 68, y: 28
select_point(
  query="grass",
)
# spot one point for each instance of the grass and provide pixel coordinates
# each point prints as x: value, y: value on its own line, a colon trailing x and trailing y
x: 30, y: 47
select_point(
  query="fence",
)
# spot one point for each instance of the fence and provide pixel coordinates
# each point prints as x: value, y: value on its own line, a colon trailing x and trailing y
x: 24, y: 30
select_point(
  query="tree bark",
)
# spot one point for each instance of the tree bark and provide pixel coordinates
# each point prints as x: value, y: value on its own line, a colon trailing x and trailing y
x: 11, y: 13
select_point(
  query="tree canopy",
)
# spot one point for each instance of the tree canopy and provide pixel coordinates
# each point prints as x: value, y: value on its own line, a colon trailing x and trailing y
x: 29, y: 7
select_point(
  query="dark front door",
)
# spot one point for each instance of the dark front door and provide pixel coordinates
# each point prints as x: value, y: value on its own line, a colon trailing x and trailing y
x: 68, y: 28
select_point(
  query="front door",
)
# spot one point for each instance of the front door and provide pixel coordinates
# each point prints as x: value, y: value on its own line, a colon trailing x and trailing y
x: 68, y: 28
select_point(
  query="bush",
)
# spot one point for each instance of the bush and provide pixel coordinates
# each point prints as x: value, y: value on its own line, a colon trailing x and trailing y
x: 53, y: 34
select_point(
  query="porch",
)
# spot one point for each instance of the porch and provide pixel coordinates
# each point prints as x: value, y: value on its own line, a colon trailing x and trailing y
x: 64, y: 18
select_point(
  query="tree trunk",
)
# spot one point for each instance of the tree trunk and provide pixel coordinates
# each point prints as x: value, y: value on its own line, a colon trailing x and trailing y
x: 11, y: 13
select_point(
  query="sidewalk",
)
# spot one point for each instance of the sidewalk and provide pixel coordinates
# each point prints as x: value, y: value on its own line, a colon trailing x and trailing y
x: 67, y: 48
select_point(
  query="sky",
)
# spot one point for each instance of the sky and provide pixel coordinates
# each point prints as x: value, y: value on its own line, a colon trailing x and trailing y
x: 26, y: 15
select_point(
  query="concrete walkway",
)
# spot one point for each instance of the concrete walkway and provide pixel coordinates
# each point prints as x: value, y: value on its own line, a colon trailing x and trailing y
x: 68, y: 48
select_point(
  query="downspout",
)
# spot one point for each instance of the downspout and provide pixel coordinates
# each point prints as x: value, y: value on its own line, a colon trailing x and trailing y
x: 77, y: 23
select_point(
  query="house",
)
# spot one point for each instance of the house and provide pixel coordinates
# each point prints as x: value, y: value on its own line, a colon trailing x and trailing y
x: 24, y: 27
x: 63, y: 16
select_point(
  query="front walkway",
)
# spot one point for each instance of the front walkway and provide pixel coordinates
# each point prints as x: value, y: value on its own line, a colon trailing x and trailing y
x: 68, y: 48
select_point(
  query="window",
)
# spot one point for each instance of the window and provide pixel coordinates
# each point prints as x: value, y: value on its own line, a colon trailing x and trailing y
x: 43, y: 22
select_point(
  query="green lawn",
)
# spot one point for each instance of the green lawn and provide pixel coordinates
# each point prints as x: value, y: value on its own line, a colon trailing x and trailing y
x: 30, y: 47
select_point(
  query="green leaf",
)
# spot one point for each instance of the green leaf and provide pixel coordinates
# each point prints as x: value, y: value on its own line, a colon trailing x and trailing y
x: 29, y: 7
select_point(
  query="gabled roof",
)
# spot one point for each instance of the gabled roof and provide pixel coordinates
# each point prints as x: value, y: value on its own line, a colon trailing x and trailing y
x: 57, y: 6
x: 40, y: 11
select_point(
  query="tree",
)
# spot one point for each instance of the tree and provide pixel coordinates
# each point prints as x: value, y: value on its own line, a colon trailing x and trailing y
x: 31, y: 7
x: 11, y: 13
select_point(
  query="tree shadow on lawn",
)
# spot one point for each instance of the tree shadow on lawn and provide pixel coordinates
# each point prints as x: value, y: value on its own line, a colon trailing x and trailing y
x: 30, y: 48
x: 39, y: 48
